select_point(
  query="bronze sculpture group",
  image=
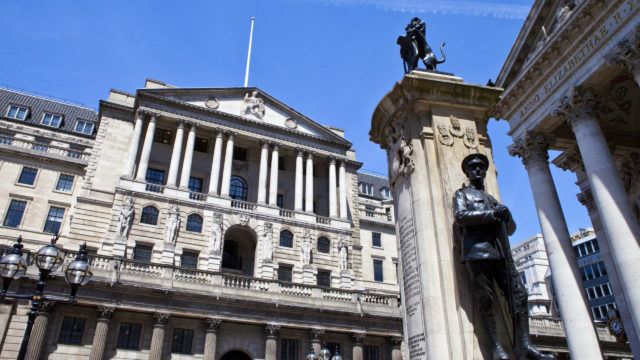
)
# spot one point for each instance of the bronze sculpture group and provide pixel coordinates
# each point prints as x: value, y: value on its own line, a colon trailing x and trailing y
x: 414, y: 47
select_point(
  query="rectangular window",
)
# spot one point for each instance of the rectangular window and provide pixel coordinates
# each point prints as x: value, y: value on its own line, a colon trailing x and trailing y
x: 596, y: 246
x: 155, y: 176
x: 65, y: 183
x: 182, y: 340
x: 599, y: 291
x: 371, y: 352
x: 289, y: 349
x: 324, y: 278
x: 239, y: 153
x: 189, y: 259
x: 84, y: 127
x: 280, y: 201
x: 285, y: 273
x: 142, y: 252
x: 602, y: 268
x: 162, y: 136
x: 523, y: 277
x: 366, y: 188
x: 54, y: 220
x: 376, y: 239
x: 28, y: 176
x: 588, y: 273
x: 606, y: 289
x: 201, y: 145
x: 71, y: 331
x: 591, y: 293
x: 17, y: 112
x: 596, y: 313
x: 377, y: 270
x: 13, y: 218
x: 52, y: 120
x: 129, y: 335
x: 195, y: 184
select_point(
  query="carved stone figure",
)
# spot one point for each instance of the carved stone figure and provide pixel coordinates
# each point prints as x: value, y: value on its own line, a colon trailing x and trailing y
x: 445, y: 137
x: 470, y: 139
x: 216, y: 233
x: 125, y: 217
x: 401, y: 152
x: 305, y: 248
x: 455, y: 129
x: 414, y: 46
x: 343, y: 255
x: 253, y: 105
x: 267, y: 243
x: 485, y: 225
x: 172, y: 225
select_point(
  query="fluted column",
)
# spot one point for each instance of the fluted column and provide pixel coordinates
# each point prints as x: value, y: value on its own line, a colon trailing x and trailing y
x: 262, y: 176
x: 188, y: 158
x: 100, y: 335
x: 226, y: 171
x: 215, y: 165
x: 618, y: 219
x: 135, y: 144
x: 299, y: 183
x: 175, y: 156
x: 157, y: 338
x: 39, y: 331
x: 308, y: 198
x: 396, y: 347
x: 358, y: 341
x: 271, y: 345
x: 211, y: 338
x: 342, y: 181
x: 579, y: 328
x: 146, y: 148
x: 333, y: 206
x: 315, y: 337
x: 273, y: 180
x: 627, y: 54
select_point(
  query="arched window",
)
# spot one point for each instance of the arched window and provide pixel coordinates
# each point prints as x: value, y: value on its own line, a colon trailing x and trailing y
x: 149, y: 215
x: 324, y: 245
x: 194, y: 223
x: 286, y: 238
x: 238, y: 188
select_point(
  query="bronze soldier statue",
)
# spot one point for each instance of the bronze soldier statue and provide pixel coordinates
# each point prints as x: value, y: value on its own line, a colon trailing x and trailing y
x: 485, y: 225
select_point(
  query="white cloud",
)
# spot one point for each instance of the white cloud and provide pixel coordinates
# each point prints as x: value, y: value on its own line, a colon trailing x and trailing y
x: 458, y: 7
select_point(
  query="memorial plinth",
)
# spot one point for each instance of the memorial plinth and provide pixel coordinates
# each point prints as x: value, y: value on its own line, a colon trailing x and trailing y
x: 427, y: 124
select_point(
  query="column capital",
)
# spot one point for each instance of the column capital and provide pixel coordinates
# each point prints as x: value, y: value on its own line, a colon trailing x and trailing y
x: 299, y: 152
x: 578, y: 105
x: 274, y: 145
x: 265, y: 143
x: 396, y: 341
x: 570, y: 160
x: 141, y: 113
x: 160, y: 319
x: 627, y: 53
x: 219, y: 133
x: 105, y: 312
x: 316, y: 334
x: 192, y: 125
x: 271, y: 330
x: 153, y: 117
x: 180, y: 123
x: 213, y: 324
x: 531, y: 147
x: 586, y: 198
x: 358, y: 338
x: 309, y: 155
x: 45, y: 307
x: 230, y: 134
x: 332, y: 160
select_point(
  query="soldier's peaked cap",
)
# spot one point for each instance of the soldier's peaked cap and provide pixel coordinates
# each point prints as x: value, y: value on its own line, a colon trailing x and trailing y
x: 474, y: 158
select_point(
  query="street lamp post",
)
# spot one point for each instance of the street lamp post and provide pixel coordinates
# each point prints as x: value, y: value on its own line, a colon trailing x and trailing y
x: 48, y: 259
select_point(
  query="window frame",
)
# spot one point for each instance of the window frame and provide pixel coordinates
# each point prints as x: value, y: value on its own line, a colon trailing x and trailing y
x: 35, y: 177
x: 280, y: 238
x: 137, y: 247
x: 381, y: 267
x: 163, y: 136
x: 289, y: 351
x: 73, y: 181
x: 27, y: 110
x: 129, y: 346
x: 385, y: 192
x: 85, y: 122
x: 244, y: 189
x: 195, y: 256
x: 193, y: 180
x: 281, y: 270
x: 48, y: 222
x: 71, y: 336
x: 240, y: 153
x: 183, y: 350
x: 320, y: 249
x: 199, y: 143
x: 374, y: 235
x: 153, y: 179
x: 190, y: 221
x: 53, y: 115
x: 6, y: 213
x: 326, y: 275
x: 142, y: 215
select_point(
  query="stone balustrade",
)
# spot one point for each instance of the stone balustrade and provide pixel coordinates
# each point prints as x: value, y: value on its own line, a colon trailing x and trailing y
x: 554, y: 327
x: 10, y: 142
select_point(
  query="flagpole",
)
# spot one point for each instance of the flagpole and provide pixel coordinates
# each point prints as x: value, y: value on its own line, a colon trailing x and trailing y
x: 246, y: 72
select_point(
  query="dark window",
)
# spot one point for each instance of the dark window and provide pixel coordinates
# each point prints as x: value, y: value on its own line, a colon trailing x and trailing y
x: 182, y: 339
x: 596, y: 312
x: 17, y: 112
x: 142, y: 252
x: 603, y: 269
x: 52, y: 120
x: 286, y: 238
x: 239, y: 153
x: 281, y: 163
x: 201, y: 145
x: 195, y: 184
x: 324, y: 278
x: 65, y: 183
x: 230, y: 258
x: 71, y: 331
x: 162, y: 136
x: 596, y: 246
x: 371, y: 352
x: 129, y: 336
x: 289, y: 349
x: 280, y: 201
x: 333, y: 347
x: 285, y: 273
x: 377, y: 270
x: 28, y: 176
x: 149, y: 215
x: 523, y: 277
x: 14, y: 213
x: 238, y: 188
x: 189, y: 259
x: 324, y: 245
x: 84, y: 127
x: 54, y: 220
x: 155, y: 176
x: 375, y: 239
x: 194, y: 223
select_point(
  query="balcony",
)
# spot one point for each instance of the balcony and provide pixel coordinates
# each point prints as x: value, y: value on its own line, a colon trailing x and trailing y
x: 554, y: 327
x: 11, y: 143
x: 378, y: 215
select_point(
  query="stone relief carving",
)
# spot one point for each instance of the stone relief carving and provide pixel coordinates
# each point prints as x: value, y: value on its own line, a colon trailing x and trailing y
x: 578, y: 105
x: 253, y: 105
x: 454, y: 128
x: 216, y: 234
x: 445, y: 137
x: 400, y: 152
x: 627, y: 54
x: 125, y: 217
x: 305, y: 248
x: 212, y: 103
x: 267, y: 243
x: 343, y: 255
x: 448, y: 134
x: 172, y: 225
x: 470, y: 140
x: 531, y: 147
x: 243, y: 219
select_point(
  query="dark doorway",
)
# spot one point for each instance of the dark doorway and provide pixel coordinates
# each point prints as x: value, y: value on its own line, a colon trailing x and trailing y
x: 235, y: 355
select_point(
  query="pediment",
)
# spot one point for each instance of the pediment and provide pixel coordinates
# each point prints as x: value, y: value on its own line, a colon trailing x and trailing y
x: 250, y: 104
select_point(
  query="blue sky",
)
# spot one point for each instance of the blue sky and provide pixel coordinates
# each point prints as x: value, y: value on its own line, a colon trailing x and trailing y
x: 332, y: 60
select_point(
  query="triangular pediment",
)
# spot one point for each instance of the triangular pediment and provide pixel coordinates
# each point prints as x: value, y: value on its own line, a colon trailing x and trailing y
x: 250, y: 104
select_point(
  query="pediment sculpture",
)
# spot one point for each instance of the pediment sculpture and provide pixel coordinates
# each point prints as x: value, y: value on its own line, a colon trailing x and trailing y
x: 253, y: 105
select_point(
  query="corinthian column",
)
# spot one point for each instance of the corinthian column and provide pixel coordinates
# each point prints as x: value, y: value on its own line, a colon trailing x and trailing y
x: 188, y: 158
x: 100, y: 335
x: 146, y: 149
x: 175, y: 156
x: 262, y: 176
x: 315, y: 336
x: 214, y: 179
x: 211, y: 338
x: 271, y: 345
x: 333, y: 206
x: 627, y: 54
x: 39, y: 331
x: 157, y: 338
x: 133, y: 147
x: 273, y: 181
x: 396, y: 347
x: 308, y: 204
x: 228, y: 162
x: 342, y: 181
x: 581, y: 336
x: 618, y: 219
x: 299, y: 183
x: 357, y: 339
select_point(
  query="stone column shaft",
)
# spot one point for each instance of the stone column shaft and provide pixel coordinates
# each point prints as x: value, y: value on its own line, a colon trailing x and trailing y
x: 215, y: 165
x: 100, y: 335
x: 39, y: 332
x: 299, y: 183
x: 308, y: 205
x: 228, y: 162
x: 157, y: 338
x: 262, y: 177
x: 271, y: 344
x: 133, y: 147
x: 146, y: 149
x: 356, y: 350
x: 188, y: 158
x: 211, y: 338
x: 333, y: 206
x: 175, y: 156
x: 273, y: 181
x: 396, y: 347
x: 342, y: 180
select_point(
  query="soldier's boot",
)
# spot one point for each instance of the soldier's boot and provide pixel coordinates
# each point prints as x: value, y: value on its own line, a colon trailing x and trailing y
x: 527, y: 351
x: 491, y: 329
